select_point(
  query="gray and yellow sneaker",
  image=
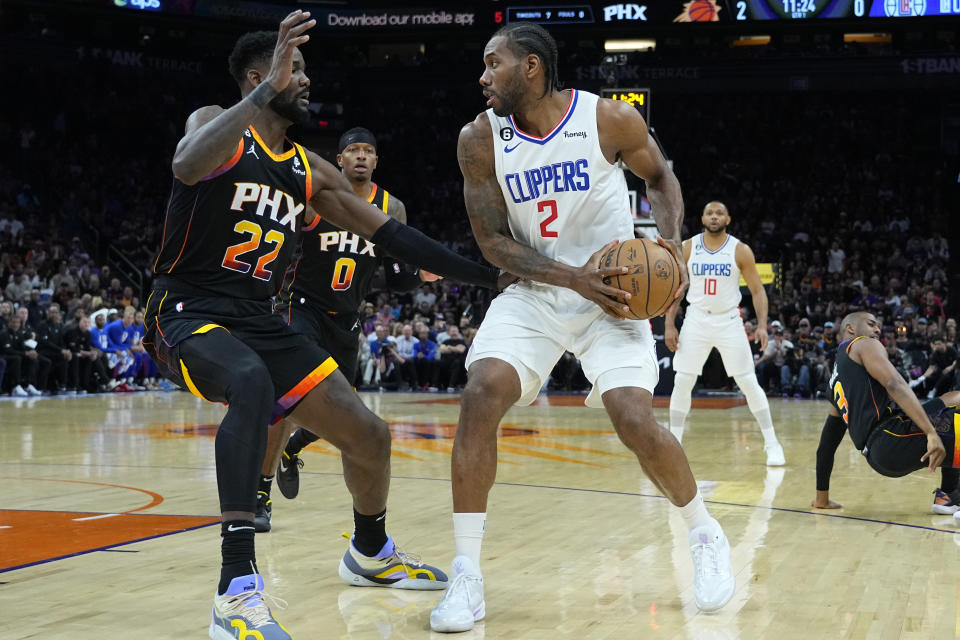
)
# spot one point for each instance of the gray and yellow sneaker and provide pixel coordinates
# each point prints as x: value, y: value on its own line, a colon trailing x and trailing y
x: 390, y: 568
x: 242, y: 613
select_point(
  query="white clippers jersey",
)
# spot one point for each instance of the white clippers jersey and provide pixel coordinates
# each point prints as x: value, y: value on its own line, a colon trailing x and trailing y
x: 714, y: 276
x: 563, y: 198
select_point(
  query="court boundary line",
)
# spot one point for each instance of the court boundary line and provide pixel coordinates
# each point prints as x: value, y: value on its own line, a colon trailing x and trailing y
x: 542, y: 486
x: 107, y: 547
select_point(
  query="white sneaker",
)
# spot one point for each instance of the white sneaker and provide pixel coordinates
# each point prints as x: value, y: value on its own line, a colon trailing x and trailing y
x: 32, y: 390
x: 462, y: 604
x: 19, y: 392
x: 713, y: 582
x: 775, y: 455
x: 956, y: 518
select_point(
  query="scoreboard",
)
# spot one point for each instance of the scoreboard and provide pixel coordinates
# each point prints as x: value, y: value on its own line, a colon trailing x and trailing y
x: 723, y: 11
x: 639, y: 98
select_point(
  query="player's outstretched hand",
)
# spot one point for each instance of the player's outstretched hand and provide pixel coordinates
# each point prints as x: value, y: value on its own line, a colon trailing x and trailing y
x: 671, y: 337
x: 825, y: 504
x: 588, y: 282
x: 675, y: 249
x: 935, y: 452
x: 426, y: 276
x: 291, y: 35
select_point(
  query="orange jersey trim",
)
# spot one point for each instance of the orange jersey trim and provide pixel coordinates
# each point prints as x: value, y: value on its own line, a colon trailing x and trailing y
x: 226, y: 166
x: 185, y: 235
x: 306, y: 165
x: 286, y: 155
x: 290, y: 399
x: 373, y: 192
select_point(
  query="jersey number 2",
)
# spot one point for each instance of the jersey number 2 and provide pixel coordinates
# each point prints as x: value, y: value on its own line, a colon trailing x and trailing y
x: 542, y: 206
x: 231, y: 257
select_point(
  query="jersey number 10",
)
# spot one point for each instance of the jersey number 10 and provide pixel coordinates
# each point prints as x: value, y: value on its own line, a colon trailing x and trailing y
x: 710, y: 287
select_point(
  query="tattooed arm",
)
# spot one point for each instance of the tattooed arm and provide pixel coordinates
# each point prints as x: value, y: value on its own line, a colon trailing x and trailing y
x: 488, y: 218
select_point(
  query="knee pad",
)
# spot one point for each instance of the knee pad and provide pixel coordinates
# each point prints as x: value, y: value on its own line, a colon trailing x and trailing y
x: 682, y: 387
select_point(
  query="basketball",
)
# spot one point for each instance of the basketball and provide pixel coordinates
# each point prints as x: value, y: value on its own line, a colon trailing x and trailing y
x: 703, y: 11
x: 652, y: 280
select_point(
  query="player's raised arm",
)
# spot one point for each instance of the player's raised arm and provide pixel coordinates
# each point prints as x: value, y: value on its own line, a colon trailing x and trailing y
x: 213, y: 133
x: 873, y: 356
x: 624, y: 134
x: 333, y: 196
x: 488, y: 219
x: 748, y: 269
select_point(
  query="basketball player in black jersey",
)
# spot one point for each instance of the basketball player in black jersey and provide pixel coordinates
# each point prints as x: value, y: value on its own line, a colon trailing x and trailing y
x: 238, y: 204
x: 321, y: 298
x: 894, y: 431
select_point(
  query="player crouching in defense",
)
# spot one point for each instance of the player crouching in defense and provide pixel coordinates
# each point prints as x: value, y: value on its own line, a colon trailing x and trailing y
x: 886, y: 421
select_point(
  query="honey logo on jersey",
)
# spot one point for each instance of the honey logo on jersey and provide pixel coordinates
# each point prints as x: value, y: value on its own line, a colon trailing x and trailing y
x: 346, y: 242
x: 266, y: 198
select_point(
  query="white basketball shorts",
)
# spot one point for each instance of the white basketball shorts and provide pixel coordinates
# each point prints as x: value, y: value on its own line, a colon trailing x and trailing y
x: 529, y: 326
x: 701, y: 331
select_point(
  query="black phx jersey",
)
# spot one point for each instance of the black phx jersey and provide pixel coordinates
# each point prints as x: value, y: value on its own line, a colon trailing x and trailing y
x: 862, y: 401
x: 334, y: 271
x: 234, y: 232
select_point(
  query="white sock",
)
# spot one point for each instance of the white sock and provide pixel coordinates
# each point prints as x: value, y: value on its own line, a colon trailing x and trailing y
x: 695, y: 513
x: 468, y: 531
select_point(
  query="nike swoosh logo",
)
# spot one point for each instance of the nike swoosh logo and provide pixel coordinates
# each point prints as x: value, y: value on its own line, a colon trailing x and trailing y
x: 236, y: 528
x: 381, y: 517
x: 283, y: 467
x: 509, y: 149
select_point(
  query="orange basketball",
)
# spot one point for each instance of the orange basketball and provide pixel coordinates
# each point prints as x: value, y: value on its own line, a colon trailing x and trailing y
x: 653, y: 277
x: 702, y: 11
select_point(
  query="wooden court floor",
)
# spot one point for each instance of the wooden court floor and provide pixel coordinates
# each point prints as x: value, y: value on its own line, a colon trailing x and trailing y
x: 107, y: 529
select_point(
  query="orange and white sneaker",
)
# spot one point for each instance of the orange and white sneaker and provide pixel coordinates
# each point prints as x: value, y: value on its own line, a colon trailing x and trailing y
x: 943, y: 503
x: 390, y: 568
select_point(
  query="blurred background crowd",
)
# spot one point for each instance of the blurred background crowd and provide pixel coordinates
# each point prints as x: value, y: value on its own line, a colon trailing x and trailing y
x: 842, y: 192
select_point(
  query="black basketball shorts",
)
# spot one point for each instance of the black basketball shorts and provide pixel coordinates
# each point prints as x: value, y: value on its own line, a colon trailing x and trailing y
x: 339, y: 335
x: 896, y: 445
x: 295, y: 364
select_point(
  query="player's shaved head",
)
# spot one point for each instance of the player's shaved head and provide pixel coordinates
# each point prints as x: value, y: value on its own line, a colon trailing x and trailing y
x: 715, y: 204
x: 859, y: 323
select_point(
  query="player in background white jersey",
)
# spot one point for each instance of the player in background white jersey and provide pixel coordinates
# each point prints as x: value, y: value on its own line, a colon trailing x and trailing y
x: 545, y: 198
x: 715, y: 260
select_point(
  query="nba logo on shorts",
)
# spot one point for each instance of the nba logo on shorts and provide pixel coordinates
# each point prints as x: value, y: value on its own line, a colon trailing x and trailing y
x: 179, y: 306
x: 506, y: 134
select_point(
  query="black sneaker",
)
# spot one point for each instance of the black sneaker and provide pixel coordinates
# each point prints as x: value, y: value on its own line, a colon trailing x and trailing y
x: 288, y: 475
x: 261, y: 521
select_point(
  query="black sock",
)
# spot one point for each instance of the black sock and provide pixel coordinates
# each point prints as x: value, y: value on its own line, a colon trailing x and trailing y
x: 300, y: 439
x: 949, y: 479
x: 265, y: 483
x: 237, y: 551
x: 370, y: 532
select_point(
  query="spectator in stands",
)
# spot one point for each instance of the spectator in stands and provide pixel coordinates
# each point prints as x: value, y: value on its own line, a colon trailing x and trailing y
x: 453, y: 354
x: 92, y: 369
x: 424, y: 353
x: 51, y: 342
x: 774, y: 358
x: 408, y: 368
x: 35, y: 368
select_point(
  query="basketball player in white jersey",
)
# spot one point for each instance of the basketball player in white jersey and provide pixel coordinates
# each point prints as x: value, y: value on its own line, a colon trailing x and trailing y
x: 545, y: 198
x: 715, y: 260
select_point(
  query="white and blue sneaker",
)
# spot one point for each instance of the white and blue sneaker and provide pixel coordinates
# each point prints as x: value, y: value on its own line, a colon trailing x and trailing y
x: 391, y: 567
x: 462, y: 605
x: 242, y: 613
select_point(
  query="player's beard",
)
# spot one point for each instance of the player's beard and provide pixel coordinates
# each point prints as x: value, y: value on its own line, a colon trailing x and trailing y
x: 722, y: 228
x: 510, y: 96
x: 288, y: 106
